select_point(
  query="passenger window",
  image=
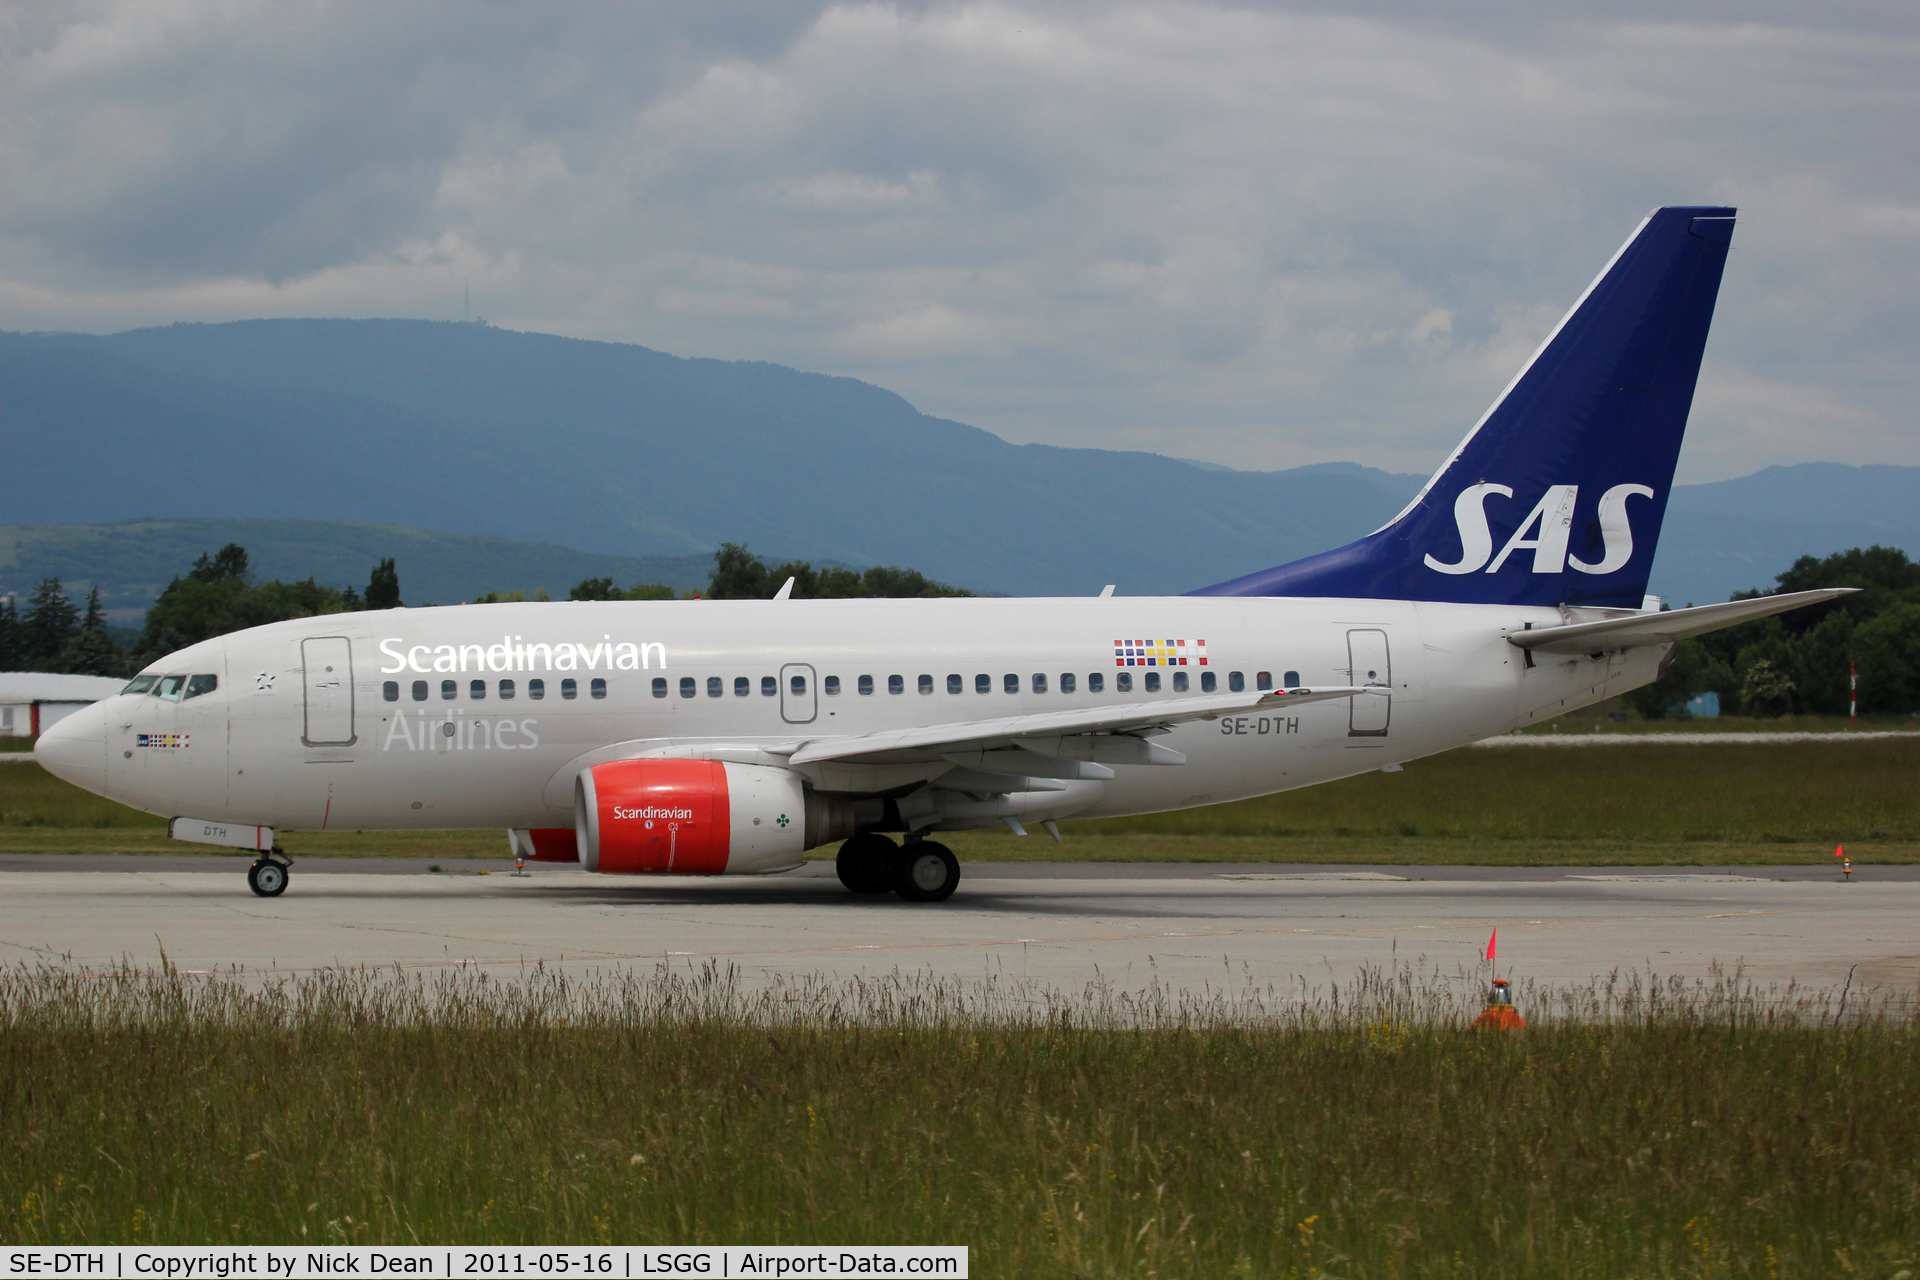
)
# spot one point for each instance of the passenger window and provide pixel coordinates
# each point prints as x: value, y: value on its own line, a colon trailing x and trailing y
x: 926, y: 684
x: 1096, y: 682
x: 1153, y: 682
x: 1066, y: 682
x: 955, y: 684
x: 1263, y: 680
x: 197, y: 685
x: 420, y: 690
x: 598, y: 688
x: 1292, y: 680
x: 659, y: 687
x: 1179, y: 682
x: 169, y: 687
x: 1123, y: 682
x: 1039, y: 682
x: 449, y: 690
x: 896, y: 684
x: 799, y: 685
x: 830, y: 686
x: 506, y: 689
x: 866, y: 685
x: 1207, y: 682
x: 769, y: 686
x: 140, y: 684
x: 536, y: 689
x: 742, y: 686
x: 687, y: 686
x: 983, y: 683
x: 390, y: 691
x: 715, y: 686
x: 569, y: 690
x: 1010, y: 682
x: 1236, y: 683
x: 477, y: 690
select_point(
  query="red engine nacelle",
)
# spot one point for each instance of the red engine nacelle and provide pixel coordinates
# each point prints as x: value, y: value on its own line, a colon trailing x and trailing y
x: 697, y: 817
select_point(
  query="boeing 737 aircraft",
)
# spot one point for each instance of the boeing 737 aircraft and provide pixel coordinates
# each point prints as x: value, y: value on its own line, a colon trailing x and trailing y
x: 729, y: 737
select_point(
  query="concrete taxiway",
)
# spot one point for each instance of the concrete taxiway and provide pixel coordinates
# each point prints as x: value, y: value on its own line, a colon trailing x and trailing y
x: 1190, y: 926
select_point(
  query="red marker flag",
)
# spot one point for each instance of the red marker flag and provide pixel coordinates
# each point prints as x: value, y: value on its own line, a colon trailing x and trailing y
x: 1839, y: 850
x: 1490, y: 944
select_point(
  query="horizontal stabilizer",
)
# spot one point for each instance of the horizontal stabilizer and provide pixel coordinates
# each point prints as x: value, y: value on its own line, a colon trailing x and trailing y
x: 1640, y: 629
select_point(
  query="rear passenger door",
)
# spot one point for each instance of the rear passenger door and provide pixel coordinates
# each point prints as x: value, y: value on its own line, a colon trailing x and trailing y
x: 1370, y: 664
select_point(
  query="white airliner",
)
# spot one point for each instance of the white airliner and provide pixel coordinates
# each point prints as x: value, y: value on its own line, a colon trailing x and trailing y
x: 729, y: 737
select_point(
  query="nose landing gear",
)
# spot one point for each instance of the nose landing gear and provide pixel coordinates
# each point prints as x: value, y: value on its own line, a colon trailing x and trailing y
x: 267, y: 877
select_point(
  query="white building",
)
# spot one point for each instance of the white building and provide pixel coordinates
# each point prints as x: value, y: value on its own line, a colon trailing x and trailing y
x: 32, y: 701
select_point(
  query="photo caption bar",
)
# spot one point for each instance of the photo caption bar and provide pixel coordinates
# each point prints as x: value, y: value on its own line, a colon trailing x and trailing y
x: 721, y: 1262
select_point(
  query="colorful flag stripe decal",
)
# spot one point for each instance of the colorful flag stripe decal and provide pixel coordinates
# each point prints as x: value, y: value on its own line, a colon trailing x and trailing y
x: 161, y: 740
x: 1159, y: 653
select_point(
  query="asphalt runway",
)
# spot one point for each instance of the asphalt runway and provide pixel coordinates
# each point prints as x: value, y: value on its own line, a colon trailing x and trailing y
x: 1189, y: 926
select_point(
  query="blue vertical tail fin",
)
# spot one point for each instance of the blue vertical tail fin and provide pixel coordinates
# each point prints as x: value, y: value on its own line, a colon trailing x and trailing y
x: 1557, y: 495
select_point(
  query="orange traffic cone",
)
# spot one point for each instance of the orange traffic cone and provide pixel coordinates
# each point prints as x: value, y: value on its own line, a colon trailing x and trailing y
x: 1499, y: 1015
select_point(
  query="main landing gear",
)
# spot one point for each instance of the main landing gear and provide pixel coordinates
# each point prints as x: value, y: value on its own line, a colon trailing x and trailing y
x: 921, y: 872
x: 268, y: 875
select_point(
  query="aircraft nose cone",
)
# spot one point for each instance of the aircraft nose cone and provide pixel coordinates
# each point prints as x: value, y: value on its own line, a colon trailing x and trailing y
x: 75, y: 749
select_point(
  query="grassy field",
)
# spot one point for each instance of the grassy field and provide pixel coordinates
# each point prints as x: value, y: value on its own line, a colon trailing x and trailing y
x: 1635, y: 1130
x: 1652, y: 804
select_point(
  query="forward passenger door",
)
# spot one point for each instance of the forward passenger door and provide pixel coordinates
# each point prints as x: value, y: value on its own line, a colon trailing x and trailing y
x: 327, y: 664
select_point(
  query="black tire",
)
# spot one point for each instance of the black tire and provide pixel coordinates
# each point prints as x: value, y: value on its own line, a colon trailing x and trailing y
x: 926, y: 872
x: 865, y: 863
x: 267, y: 878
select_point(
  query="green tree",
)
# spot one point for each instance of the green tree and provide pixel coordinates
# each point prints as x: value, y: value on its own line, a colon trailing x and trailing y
x: 92, y: 651
x: 1820, y: 661
x: 1692, y: 671
x: 49, y: 625
x: 216, y: 597
x: 595, y: 589
x: 12, y: 654
x: 1884, y: 576
x: 230, y: 561
x: 738, y: 574
x: 1766, y: 689
x: 383, y: 588
x: 603, y: 589
x: 1887, y: 649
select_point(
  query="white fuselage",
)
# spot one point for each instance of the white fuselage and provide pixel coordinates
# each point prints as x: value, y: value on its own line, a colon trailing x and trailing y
x: 400, y: 719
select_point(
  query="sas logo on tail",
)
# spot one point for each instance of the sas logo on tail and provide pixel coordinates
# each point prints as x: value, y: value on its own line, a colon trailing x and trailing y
x: 1545, y: 531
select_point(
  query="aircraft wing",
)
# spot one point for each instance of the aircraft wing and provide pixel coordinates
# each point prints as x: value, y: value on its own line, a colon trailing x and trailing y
x: 1640, y: 629
x: 1041, y: 732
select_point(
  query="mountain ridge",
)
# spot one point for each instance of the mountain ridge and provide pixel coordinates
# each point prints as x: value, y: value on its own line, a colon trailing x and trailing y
x: 611, y: 450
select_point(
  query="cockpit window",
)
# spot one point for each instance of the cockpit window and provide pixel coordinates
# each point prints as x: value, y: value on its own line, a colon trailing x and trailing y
x: 140, y: 684
x: 169, y: 687
x: 197, y: 685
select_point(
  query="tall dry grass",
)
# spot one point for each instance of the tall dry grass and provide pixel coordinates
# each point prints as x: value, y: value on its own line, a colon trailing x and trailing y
x: 1640, y: 1127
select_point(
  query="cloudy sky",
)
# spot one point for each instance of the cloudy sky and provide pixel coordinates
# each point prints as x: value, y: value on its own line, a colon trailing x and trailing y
x: 1257, y: 235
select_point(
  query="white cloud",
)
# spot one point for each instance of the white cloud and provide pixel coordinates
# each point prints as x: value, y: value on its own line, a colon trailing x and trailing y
x: 1257, y: 236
